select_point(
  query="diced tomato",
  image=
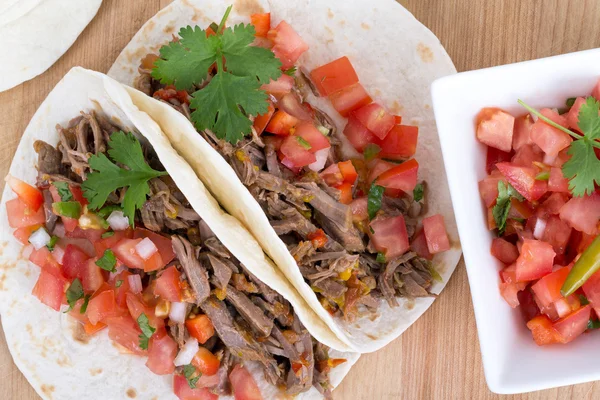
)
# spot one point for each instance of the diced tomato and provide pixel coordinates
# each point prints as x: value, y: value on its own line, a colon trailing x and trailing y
x: 528, y: 307
x: 43, y: 259
x: 547, y: 289
x: 389, y: 236
x: 200, y: 327
x: 243, y: 384
x: 403, y: 176
x: 510, y: 292
x: 527, y: 155
x: 93, y: 235
x: 162, y: 243
x: 488, y: 188
x: 125, y: 331
x: 261, y: 121
x: 23, y: 234
x: 359, y: 209
x: 349, y: 99
x: 557, y: 233
x: 591, y: 289
x: 377, y: 169
x: 523, y: 180
x: 317, y: 238
x: 509, y: 274
x: 281, y: 123
x: 101, y: 306
x: 493, y: 157
x: 535, y: 261
x: 400, y: 143
x: 334, y: 76
x: 504, y: 251
x: 332, y: 175
x: 495, y: 128
x: 74, y: 262
x: 419, y: 244
x: 170, y: 92
x: 104, y: 244
x: 91, y: 276
x: 547, y: 137
x: 20, y: 215
x: 345, y: 192
x: 573, y: 114
x: 543, y: 332
x: 162, y: 351
x: 573, y: 324
x: 125, y: 252
x: 435, y: 234
x: 280, y: 86
x: 582, y: 213
x: 123, y: 289
x: 522, y: 131
x: 50, y: 289
x: 168, y: 285
x: 307, y: 131
x: 137, y: 307
x: 348, y: 171
x: 262, y: 23
x: 376, y: 119
x: 557, y: 181
x: 519, y: 209
x: 358, y: 135
x: 288, y: 46
x: 206, y: 361
x: 552, y: 205
x: 565, y: 306
x: 183, y: 391
x: 30, y: 195
x: 295, y: 154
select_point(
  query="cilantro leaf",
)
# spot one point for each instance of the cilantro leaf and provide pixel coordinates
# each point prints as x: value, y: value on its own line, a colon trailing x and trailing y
x: 245, y: 60
x: 86, y: 301
x: 593, y: 324
x: 502, y: 207
x: 583, y: 300
x: 189, y: 371
x: 74, y: 293
x: 380, y: 257
x: 107, y: 234
x: 582, y: 169
x: 52, y: 243
x: 219, y: 105
x: 418, y: 192
x: 144, y: 324
x: 119, y: 283
x: 371, y: 151
x: 108, y: 261
x: 185, y: 63
x: 374, y: 199
x: 143, y: 341
x: 107, y: 177
x: 589, y: 122
x: 290, y: 71
x: 63, y: 190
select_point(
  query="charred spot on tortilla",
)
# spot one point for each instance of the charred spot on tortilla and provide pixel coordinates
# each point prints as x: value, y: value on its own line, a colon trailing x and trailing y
x: 79, y: 334
x: 48, y: 390
x: 248, y: 7
x: 131, y: 393
x: 169, y: 29
x: 95, y: 371
x: 425, y: 53
x: 365, y: 26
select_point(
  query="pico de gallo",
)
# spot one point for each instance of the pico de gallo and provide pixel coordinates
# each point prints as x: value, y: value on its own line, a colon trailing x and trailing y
x: 543, y: 203
x: 352, y: 225
x: 121, y: 250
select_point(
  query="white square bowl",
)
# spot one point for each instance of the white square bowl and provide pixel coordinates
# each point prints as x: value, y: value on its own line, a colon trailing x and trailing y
x: 512, y: 362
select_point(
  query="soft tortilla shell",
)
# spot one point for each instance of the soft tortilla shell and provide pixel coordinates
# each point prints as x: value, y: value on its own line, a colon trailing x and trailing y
x: 396, y: 59
x: 45, y: 344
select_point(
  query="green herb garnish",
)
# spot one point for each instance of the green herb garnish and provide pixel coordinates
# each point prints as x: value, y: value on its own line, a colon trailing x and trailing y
x: 74, y: 293
x: 371, y: 151
x: 86, y: 301
x: 119, y: 283
x: 502, y: 207
x: 52, y: 243
x: 374, y: 199
x: 192, y: 376
x: 583, y: 168
x: 380, y: 257
x: 224, y: 104
x: 108, y: 234
x: 570, y: 101
x: 105, y: 211
x: 418, y: 192
x: 63, y: 190
x: 305, y: 145
x: 290, y: 71
x: 593, y: 324
x: 108, y: 261
x: 147, y: 331
x: 583, y: 300
x: 107, y: 177
x: 543, y: 176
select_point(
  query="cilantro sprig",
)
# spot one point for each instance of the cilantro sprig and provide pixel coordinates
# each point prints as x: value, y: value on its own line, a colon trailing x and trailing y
x: 234, y: 92
x: 107, y: 176
x: 500, y: 211
x: 108, y: 261
x: 191, y: 375
x: 583, y: 168
x: 147, y: 330
x: 374, y: 199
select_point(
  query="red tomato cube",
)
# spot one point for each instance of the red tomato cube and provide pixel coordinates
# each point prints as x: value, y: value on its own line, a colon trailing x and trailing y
x: 591, y: 289
x: 168, y: 285
x: 435, y: 234
x: 295, y: 154
x: 543, y: 332
x: 582, y: 213
x: 557, y: 233
x: 527, y: 155
x: 493, y: 157
x: 376, y: 119
x: 557, y: 181
x: 403, y: 176
x: 281, y: 123
x: 573, y: 324
x: 317, y: 141
x: 419, y: 245
x: 279, y: 87
x: 27, y: 193
x: 243, y: 384
x: 125, y: 331
x: 162, y: 351
x: 332, y: 175
x: 262, y: 23
x: 552, y: 205
x: 504, y: 251
x: 547, y: 289
x: 349, y: 99
x: 74, y: 262
x: 182, y: 390
x: 573, y: 115
x: 547, y: 137
x: 510, y: 292
x: 358, y: 135
x: 288, y: 46
x: 523, y: 180
x: 334, y: 76
x: 50, y: 289
x: 389, y: 236
x: 102, y: 305
x: 495, y: 128
x: 522, y: 131
x: 261, y: 121
x: 535, y: 261
x: 20, y: 215
x: 400, y: 143
x: 488, y: 188
x: 348, y: 171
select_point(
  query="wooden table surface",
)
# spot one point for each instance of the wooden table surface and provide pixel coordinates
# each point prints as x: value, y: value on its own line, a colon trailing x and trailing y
x: 438, y: 357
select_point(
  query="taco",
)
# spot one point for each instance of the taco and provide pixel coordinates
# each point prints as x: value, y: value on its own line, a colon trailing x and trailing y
x: 271, y: 105
x: 125, y: 259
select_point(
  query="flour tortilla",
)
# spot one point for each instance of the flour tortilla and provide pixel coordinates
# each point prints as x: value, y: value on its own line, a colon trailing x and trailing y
x: 42, y: 341
x: 36, y: 33
x: 396, y: 59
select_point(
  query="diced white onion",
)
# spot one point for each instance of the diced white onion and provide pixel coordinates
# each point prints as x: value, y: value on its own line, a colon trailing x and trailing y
x: 59, y: 230
x: 177, y: 312
x: 27, y: 250
x: 135, y: 283
x: 39, y: 238
x: 118, y: 269
x: 58, y: 253
x: 540, y: 227
x: 146, y: 248
x: 549, y: 160
x: 187, y: 352
x: 321, y: 156
x: 118, y: 221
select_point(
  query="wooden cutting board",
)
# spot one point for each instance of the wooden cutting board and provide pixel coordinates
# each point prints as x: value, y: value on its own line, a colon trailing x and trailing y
x: 438, y: 357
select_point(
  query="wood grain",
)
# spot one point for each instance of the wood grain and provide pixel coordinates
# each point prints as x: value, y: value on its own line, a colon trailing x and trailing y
x: 438, y: 357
